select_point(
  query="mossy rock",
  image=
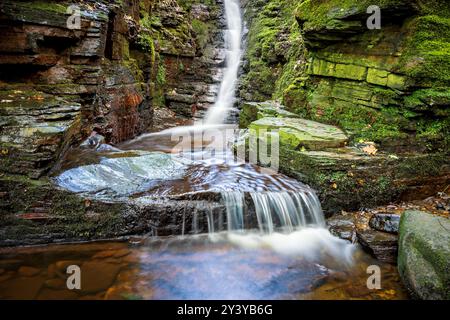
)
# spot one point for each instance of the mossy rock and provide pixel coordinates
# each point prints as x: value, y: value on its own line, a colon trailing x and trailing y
x: 252, y: 111
x: 295, y: 133
x: 424, y: 255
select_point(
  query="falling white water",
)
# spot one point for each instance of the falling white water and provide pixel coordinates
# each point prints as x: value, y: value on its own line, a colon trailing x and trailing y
x: 289, y: 223
x: 284, y: 211
x: 233, y: 36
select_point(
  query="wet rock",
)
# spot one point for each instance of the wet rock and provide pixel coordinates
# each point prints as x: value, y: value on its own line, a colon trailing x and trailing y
x: 119, y: 177
x: 56, y: 284
x: 24, y: 288
x: 34, y: 126
x: 98, y: 276
x: 94, y: 141
x: 385, y: 222
x: 382, y: 245
x: 424, y: 255
x: 342, y: 227
x: 26, y: 271
x: 61, y: 267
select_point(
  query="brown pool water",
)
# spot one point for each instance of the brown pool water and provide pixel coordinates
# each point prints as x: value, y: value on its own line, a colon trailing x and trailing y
x: 200, y: 267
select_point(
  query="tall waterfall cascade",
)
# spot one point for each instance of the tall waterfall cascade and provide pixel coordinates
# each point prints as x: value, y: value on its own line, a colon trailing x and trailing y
x: 286, y: 210
x: 159, y: 166
x: 233, y: 37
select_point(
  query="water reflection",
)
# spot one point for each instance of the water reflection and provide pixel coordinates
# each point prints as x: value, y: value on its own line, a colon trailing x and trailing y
x: 200, y: 267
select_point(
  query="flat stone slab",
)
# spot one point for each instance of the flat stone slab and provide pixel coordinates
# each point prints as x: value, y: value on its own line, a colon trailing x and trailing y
x: 123, y: 177
x: 296, y: 133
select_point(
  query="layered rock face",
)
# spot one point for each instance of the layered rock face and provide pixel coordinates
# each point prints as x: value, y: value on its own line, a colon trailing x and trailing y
x: 187, y: 38
x: 389, y: 85
x: 60, y: 84
x: 114, y: 74
x: 387, y: 89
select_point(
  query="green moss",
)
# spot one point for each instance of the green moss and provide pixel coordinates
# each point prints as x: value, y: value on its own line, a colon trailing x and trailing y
x: 316, y: 15
x: 47, y: 6
x: 69, y: 216
x: 337, y: 189
x: 146, y: 43
x: 428, y: 49
x: 422, y: 166
x: 202, y: 32
x: 273, y: 40
x: 161, y: 74
x: 428, y: 99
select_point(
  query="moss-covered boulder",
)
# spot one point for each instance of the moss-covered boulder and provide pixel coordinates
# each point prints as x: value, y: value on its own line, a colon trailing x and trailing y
x: 295, y: 133
x: 252, y: 111
x: 424, y: 255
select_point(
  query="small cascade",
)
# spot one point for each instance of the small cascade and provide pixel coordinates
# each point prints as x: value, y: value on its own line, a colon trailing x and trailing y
x: 234, y: 202
x: 272, y: 211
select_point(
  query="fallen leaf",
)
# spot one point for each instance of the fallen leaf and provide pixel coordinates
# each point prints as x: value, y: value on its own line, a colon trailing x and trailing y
x: 371, y: 150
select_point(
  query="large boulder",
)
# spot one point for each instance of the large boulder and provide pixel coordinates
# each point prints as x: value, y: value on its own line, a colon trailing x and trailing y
x: 252, y: 111
x: 296, y: 133
x: 424, y: 255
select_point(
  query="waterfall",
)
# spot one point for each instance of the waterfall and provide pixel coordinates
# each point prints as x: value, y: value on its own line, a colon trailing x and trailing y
x: 233, y: 36
x: 273, y: 211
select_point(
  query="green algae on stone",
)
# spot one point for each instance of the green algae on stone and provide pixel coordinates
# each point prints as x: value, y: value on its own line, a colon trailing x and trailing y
x: 296, y: 133
x: 424, y: 251
x: 252, y: 111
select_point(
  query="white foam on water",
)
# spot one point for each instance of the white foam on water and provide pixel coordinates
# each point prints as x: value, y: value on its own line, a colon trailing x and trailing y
x: 309, y: 243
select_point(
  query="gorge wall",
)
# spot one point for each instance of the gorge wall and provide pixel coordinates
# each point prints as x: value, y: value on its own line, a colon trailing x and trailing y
x: 131, y: 67
x: 58, y: 85
x: 387, y: 87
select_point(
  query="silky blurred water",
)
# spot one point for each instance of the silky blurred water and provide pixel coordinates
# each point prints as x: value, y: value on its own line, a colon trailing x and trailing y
x: 307, y: 264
